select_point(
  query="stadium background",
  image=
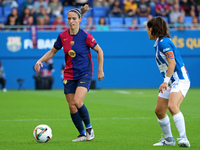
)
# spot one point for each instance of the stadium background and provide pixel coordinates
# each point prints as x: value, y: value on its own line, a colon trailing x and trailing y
x: 129, y: 57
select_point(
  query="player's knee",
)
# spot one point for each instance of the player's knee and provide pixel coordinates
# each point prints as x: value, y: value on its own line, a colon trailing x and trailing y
x: 72, y: 108
x: 172, y: 108
x: 77, y: 103
x: 158, y: 111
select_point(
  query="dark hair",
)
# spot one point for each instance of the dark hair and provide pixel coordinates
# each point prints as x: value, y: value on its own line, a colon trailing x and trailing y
x: 159, y: 27
x: 103, y: 19
x: 80, y: 11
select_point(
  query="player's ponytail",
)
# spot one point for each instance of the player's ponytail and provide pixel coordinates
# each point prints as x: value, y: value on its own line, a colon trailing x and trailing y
x: 80, y: 11
x: 159, y: 27
x: 84, y: 9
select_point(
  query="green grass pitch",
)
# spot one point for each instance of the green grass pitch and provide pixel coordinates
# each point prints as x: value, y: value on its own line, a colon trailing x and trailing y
x: 123, y: 119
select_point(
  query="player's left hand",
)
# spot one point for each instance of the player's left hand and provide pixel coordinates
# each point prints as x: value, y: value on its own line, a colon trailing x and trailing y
x: 163, y: 87
x: 100, y: 76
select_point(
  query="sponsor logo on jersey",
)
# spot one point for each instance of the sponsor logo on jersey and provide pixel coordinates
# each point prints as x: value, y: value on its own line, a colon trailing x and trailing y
x: 72, y: 53
x: 14, y: 43
x: 166, y: 49
x: 72, y: 43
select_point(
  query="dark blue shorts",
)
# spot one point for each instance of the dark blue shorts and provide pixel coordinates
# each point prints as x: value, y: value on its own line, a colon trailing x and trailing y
x: 71, y: 85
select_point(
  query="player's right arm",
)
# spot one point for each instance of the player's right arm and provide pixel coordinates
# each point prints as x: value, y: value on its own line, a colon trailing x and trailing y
x: 57, y: 46
x: 44, y: 58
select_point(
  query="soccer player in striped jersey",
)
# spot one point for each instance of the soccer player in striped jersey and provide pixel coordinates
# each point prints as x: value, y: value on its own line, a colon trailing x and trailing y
x: 175, y: 85
x: 78, y: 71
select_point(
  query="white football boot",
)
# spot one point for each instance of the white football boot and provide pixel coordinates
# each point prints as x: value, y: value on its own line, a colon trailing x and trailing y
x: 166, y: 142
x: 80, y: 138
x: 183, y: 142
x: 89, y: 134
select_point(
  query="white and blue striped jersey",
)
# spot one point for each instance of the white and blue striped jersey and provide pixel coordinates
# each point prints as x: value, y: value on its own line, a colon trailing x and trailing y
x: 163, y: 48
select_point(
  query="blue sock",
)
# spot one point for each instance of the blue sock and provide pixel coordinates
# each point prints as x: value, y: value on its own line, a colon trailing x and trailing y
x: 83, y: 112
x: 78, y: 123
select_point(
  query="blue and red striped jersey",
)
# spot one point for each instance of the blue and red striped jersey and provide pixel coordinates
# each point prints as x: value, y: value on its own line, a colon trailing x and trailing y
x: 77, y: 54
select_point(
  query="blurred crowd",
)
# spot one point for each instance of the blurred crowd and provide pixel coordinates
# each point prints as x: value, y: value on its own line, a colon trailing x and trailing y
x: 128, y: 14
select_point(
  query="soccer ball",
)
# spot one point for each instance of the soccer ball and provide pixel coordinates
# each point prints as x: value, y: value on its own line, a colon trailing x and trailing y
x: 42, y: 133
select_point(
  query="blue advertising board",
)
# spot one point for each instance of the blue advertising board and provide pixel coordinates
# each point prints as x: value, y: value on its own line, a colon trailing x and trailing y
x: 129, y: 59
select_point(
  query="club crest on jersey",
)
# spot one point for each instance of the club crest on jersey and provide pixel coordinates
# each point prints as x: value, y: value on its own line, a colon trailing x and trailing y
x: 72, y: 53
x: 72, y: 43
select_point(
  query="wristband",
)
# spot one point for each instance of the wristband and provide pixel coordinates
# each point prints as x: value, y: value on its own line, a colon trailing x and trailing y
x: 167, y: 79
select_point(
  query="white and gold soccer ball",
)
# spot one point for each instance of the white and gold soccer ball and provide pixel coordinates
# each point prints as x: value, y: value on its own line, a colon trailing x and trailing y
x: 42, y: 133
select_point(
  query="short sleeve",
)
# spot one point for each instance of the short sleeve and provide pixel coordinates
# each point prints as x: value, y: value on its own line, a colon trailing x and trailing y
x: 58, y: 43
x: 167, y: 49
x: 91, y: 42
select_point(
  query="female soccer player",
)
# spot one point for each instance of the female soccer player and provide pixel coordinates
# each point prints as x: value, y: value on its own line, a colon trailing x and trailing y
x: 78, y: 70
x: 176, y: 82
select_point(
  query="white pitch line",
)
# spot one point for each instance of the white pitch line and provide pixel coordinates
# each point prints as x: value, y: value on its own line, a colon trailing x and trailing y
x: 122, y: 92
x: 136, y: 118
x: 139, y: 93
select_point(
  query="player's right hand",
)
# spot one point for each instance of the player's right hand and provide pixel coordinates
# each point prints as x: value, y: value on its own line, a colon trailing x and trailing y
x: 163, y: 87
x: 38, y: 65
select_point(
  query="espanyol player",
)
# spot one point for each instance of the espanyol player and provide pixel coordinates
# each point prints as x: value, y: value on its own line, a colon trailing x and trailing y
x: 78, y: 70
x: 175, y: 86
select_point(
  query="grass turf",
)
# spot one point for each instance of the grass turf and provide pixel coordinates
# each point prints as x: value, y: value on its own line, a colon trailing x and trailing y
x: 123, y: 119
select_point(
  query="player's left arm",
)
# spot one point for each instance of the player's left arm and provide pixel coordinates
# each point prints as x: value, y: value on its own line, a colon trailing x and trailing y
x: 91, y: 42
x: 99, y: 51
x: 171, y: 63
x: 171, y: 66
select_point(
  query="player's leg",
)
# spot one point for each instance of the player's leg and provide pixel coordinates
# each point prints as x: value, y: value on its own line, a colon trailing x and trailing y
x: 163, y: 119
x: 175, y: 100
x: 76, y: 117
x: 69, y: 90
x: 3, y: 82
x: 81, y: 91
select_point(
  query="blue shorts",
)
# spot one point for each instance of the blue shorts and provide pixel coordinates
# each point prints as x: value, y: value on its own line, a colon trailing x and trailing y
x: 71, y: 85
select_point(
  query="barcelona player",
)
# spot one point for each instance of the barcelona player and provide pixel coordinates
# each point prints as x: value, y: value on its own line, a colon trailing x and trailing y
x: 175, y: 85
x: 78, y: 71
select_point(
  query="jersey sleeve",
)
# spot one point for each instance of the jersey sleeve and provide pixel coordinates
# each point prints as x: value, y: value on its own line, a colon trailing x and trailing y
x: 58, y: 43
x: 167, y: 49
x: 91, y: 42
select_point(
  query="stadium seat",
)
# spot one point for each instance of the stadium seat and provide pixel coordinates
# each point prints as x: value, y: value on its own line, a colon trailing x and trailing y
x: 166, y: 19
x: 188, y: 20
x: 20, y: 2
x: 1, y: 15
x: 116, y: 23
x: 99, y: 11
x: 2, y: 20
x: 83, y: 21
x: 153, y: 10
x: 7, y: 11
x: 128, y: 21
x: 52, y: 18
x: 142, y: 21
x: 1, y: 11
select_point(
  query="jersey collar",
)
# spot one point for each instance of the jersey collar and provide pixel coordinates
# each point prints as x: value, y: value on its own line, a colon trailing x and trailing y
x: 156, y: 42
